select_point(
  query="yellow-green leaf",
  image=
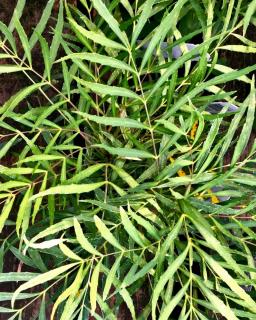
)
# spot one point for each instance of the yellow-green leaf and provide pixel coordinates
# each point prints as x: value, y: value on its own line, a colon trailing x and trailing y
x: 106, y: 234
x: 42, y: 278
x: 85, y: 244
x: 94, y: 287
x: 69, y: 189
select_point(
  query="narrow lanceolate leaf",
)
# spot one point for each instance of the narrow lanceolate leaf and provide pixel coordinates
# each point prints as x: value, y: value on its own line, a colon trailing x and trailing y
x: 60, y: 226
x: 85, y: 244
x: 94, y: 287
x: 238, y: 48
x: 111, y: 276
x: 19, y: 171
x: 23, y: 38
x: 72, y: 305
x: 247, y: 128
x: 130, y: 274
x: 149, y: 226
x: 114, y: 122
x: 42, y: 23
x: 77, y: 63
x: 57, y: 34
x: 7, y: 296
x: 231, y: 131
x: 126, y: 152
x: 24, y: 209
x: 135, y: 234
x: 6, y: 211
x: 71, y: 290
x: 17, y: 14
x: 249, y: 14
x: 111, y: 21
x: 226, y: 69
x: 98, y: 58
x: 5, y: 68
x: 146, y: 269
x: 231, y: 282
x: 168, y: 274
x: 41, y: 157
x: 128, y: 300
x: 172, y: 235
x: 208, y: 143
x: 171, y: 126
x: 128, y: 6
x: 168, y: 23
x: 205, y: 229
x: 46, y: 54
x: 66, y: 77
x: 216, y: 302
x: 17, y: 98
x: 38, y: 201
x: 42, y: 278
x: 8, y: 36
x: 5, y: 56
x: 42, y: 310
x: 144, y: 16
x: 48, y: 111
x: 69, y: 189
x: 86, y: 173
x: 171, y: 169
x: 7, y: 146
x: 175, y: 66
x: 43, y: 245
x: 12, y: 184
x: 165, y: 314
x: 17, y: 276
x: 97, y: 37
x: 202, y: 86
x: 69, y: 253
x: 106, y: 234
x: 125, y: 176
x: 104, y: 89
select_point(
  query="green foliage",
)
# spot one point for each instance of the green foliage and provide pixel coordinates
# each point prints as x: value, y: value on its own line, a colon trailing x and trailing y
x: 98, y: 212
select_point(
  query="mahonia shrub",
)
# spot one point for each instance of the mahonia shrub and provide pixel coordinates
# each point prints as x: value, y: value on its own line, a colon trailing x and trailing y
x: 127, y: 167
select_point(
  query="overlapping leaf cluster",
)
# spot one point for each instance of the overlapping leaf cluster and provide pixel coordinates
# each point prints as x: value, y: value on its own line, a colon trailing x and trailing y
x: 97, y: 211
